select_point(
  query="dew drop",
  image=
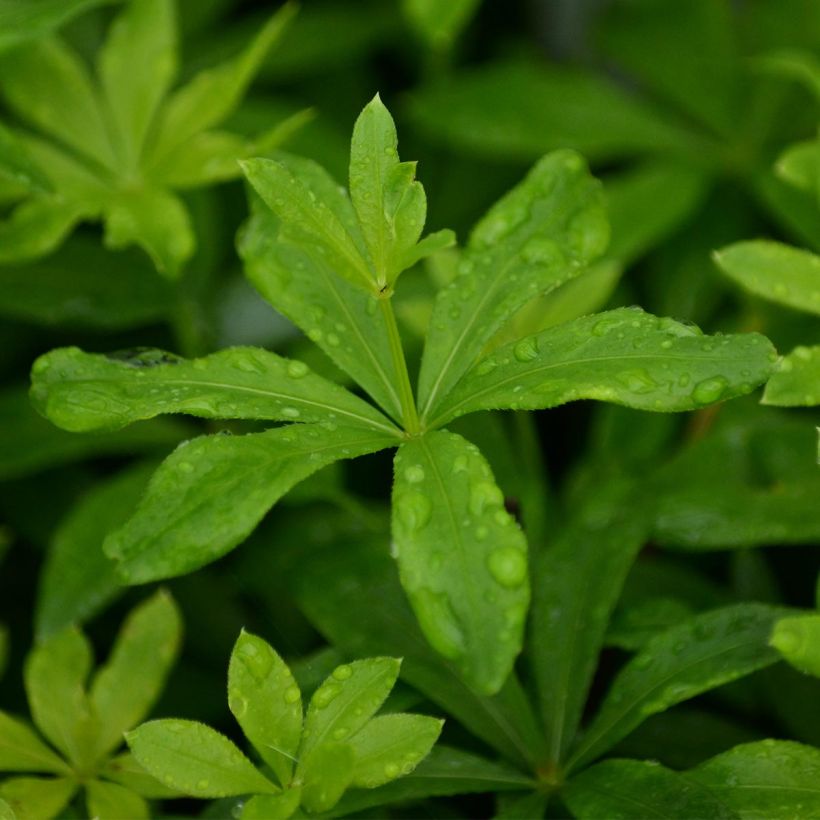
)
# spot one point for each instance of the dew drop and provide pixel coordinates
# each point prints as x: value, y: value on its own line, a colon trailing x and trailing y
x: 392, y: 771
x: 414, y: 474
x: 342, y: 672
x: 413, y: 510
x: 526, y: 350
x: 326, y: 694
x: 292, y: 694
x: 296, y: 369
x: 485, y: 367
x: 484, y: 494
x: 508, y: 566
x: 709, y: 390
x: 291, y: 412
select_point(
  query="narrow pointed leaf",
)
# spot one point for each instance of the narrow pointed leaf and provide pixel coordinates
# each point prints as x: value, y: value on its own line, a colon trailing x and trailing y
x: 392, y: 746
x: 708, y: 651
x: 34, y: 798
x: 272, y: 806
x: 626, y: 789
x: 780, y: 273
x: 797, y: 638
x: 110, y: 801
x: 125, y: 688
x: 125, y: 770
x: 624, y: 356
x: 344, y: 703
x: 195, y: 759
x: 84, y: 391
x: 143, y: 35
x: 765, y: 779
x: 799, y: 165
x: 538, y: 236
x: 439, y: 25
x: 22, y: 751
x: 576, y: 583
x: 796, y: 379
x: 55, y: 674
x: 339, y: 317
x: 37, y: 226
x: 213, y: 93
x: 462, y: 557
x: 16, y: 164
x: 47, y: 85
x: 266, y: 702
x: 329, y: 775
x: 211, y: 492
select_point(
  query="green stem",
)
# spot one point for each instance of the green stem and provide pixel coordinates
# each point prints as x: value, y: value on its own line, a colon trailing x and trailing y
x: 409, y: 415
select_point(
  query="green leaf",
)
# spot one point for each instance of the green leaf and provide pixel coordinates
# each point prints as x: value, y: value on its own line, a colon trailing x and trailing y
x: 339, y: 317
x: 195, y: 759
x: 22, y: 751
x: 211, y: 492
x: 34, y: 798
x: 143, y: 35
x: 626, y: 789
x: 125, y: 770
x: 624, y: 356
x: 799, y: 165
x: 461, y: 556
x: 266, y: 702
x: 37, y: 226
x: 797, y: 639
x: 157, y: 221
x: 6, y: 811
x: 769, y: 778
x: 777, y: 272
x: 521, y: 806
x: 344, y: 703
x: 16, y: 165
x: 539, y: 235
x: 22, y: 20
x: 81, y: 391
x: 77, y: 579
x: 272, y: 806
x: 47, y: 85
x: 55, y: 673
x: 328, y: 776
x: 439, y: 24
x: 213, y: 93
x: 110, y: 801
x: 705, y: 652
x: 124, y: 690
x: 392, y: 746
x: 576, y: 583
x: 796, y: 379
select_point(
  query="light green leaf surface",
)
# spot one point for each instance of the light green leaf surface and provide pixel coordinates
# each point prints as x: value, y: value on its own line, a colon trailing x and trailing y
x: 780, y: 273
x: 799, y: 165
x: 195, y: 759
x: 136, y: 67
x: 110, y: 801
x: 439, y: 24
x: 344, y: 703
x: 211, y: 492
x: 796, y: 379
x: 266, y: 702
x: 538, y: 236
x: 34, y: 798
x: 326, y: 780
x: 624, y: 356
x: 462, y: 558
x: 55, y: 673
x: 342, y: 319
x: 22, y: 751
x: 157, y: 221
x: 627, y: 789
x: 125, y: 770
x: 797, y: 638
x: 392, y: 746
x: 82, y: 392
x: 709, y: 650
x: 272, y: 806
x: 6, y: 811
x: 77, y: 579
x: 765, y: 779
x: 16, y: 165
x: 37, y: 226
x: 577, y: 581
x: 125, y: 688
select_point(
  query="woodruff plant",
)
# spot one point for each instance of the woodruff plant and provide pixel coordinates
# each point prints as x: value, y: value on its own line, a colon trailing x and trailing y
x: 330, y: 262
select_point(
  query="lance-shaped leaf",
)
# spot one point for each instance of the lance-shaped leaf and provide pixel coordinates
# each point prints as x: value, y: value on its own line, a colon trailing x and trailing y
x: 799, y: 165
x: 462, y: 557
x: 211, y: 492
x: 55, y: 674
x: 81, y: 391
x: 195, y: 759
x: 538, y: 236
x: 576, y: 583
x: 624, y: 356
x: 710, y: 650
x: 125, y: 688
x: 796, y: 379
x: 392, y: 746
x: 439, y: 24
x: 786, y: 275
x: 109, y: 801
x: 125, y: 770
x: 22, y: 751
x: 272, y: 806
x: 342, y: 319
x: 34, y: 798
x: 797, y: 638
x: 326, y: 780
x: 769, y: 778
x: 389, y: 202
x: 17, y: 165
x: 626, y: 789
x: 267, y: 703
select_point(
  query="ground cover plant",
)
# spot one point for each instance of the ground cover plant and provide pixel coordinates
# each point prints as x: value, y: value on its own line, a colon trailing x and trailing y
x: 409, y: 454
